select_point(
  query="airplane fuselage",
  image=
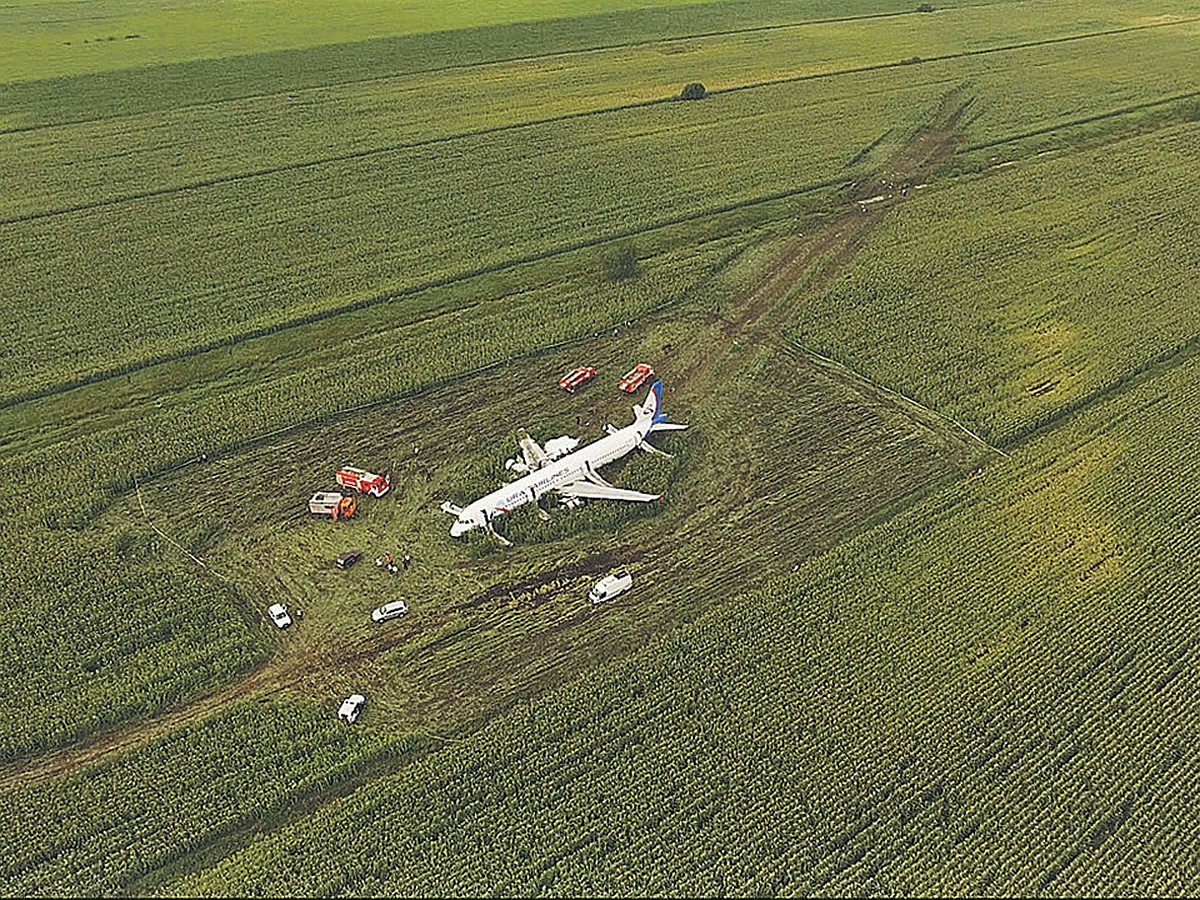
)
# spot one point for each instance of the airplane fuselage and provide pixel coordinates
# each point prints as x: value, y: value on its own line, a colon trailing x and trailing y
x: 568, y: 470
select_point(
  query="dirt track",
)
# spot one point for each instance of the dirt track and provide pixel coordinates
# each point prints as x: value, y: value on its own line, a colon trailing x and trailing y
x: 825, y: 251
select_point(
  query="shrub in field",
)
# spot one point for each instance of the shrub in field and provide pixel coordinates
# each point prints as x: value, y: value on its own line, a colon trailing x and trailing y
x: 966, y: 694
x: 391, y: 224
x: 621, y: 263
x: 136, y: 633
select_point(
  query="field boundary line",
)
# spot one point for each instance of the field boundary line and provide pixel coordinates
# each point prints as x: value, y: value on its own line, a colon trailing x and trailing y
x: 119, y: 489
x: 430, y: 284
x: 964, y: 54
x: 1147, y: 370
x: 1073, y: 123
x: 300, y: 165
x: 479, y: 64
x: 234, y: 177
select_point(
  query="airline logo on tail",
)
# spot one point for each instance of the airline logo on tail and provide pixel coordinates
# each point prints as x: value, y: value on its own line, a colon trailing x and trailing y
x: 653, y: 404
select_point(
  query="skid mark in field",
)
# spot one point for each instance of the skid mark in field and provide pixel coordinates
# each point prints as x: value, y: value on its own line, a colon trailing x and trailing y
x: 818, y: 257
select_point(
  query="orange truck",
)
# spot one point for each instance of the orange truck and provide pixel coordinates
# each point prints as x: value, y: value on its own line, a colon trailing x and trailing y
x: 577, y: 378
x: 332, y: 504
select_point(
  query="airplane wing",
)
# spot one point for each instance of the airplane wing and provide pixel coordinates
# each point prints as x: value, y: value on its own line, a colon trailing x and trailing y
x: 535, y: 456
x: 589, y: 490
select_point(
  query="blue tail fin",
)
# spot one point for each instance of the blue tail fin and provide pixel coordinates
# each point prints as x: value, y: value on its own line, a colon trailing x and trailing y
x: 653, y: 405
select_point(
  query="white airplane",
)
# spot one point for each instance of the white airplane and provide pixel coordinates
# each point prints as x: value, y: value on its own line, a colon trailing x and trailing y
x: 573, y: 476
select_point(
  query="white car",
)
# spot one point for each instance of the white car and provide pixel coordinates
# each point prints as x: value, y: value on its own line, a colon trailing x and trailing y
x: 610, y: 585
x: 391, y: 610
x: 279, y: 615
x: 352, y: 708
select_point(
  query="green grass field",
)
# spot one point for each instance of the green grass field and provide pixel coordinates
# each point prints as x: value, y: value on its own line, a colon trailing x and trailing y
x: 1034, y: 272
x: 913, y: 614
x: 892, y: 718
x: 65, y: 37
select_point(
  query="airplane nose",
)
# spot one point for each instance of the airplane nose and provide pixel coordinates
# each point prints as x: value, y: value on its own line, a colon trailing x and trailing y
x: 459, y: 528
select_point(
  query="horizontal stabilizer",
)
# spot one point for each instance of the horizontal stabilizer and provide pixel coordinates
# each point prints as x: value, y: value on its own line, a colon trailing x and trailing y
x: 589, y: 490
x: 668, y: 426
x: 650, y: 448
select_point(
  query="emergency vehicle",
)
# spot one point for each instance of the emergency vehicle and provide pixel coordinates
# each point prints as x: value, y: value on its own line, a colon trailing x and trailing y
x: 577, y: 379
x: 363, y: 481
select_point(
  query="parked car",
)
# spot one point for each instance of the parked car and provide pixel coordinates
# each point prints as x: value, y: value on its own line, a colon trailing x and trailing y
x: 610, y: 586
x: 352, y: 708
x: 279, y: 615
x: 576, y: 379
x: 346, y: 560
x: 636, y: 377
x: 392, y: 610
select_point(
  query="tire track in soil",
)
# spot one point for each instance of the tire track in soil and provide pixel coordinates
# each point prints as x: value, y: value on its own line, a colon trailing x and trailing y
x: 824, y: 254
x: 820, y: 255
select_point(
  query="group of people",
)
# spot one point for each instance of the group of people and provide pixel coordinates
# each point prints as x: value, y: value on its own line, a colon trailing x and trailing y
x: 387, y: 562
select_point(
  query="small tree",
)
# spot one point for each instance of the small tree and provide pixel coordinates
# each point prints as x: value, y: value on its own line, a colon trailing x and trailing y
x: 621, y: 264
x: 693, y: 91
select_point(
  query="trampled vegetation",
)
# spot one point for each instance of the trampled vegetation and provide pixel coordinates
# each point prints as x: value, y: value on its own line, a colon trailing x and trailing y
x: 915, y: 603
x: 891, y: 718
x: 333, y: 236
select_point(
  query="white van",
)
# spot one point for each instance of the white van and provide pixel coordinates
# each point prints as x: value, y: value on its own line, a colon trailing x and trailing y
x: 610, y: 585
x: 279, y: 615
x: 352, y: 707
x: 389, y: 611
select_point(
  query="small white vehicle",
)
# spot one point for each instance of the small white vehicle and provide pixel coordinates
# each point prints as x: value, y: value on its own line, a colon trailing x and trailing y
x: 392, y: 610
x: 610, y: 586
x: 279, y: 615
x: 352, y: 708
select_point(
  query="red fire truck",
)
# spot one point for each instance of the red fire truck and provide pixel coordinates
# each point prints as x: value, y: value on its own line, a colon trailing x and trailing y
x: 636, y: 377
x: 576, y: 379
x: 363, y: 481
